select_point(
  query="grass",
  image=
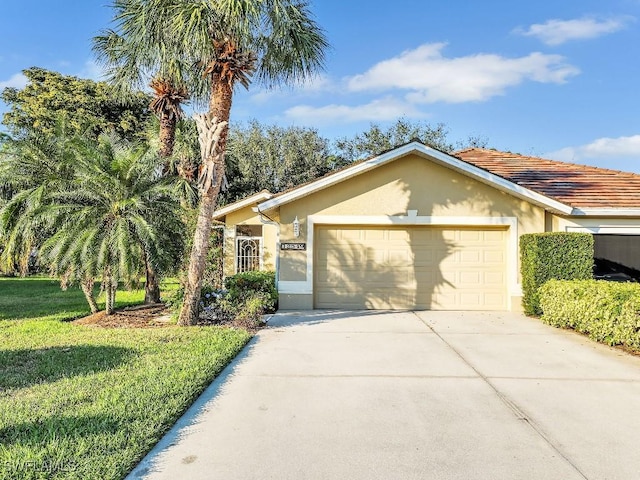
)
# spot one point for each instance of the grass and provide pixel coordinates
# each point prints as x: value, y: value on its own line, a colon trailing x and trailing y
x: 42, y: 298
x: 88, y: 403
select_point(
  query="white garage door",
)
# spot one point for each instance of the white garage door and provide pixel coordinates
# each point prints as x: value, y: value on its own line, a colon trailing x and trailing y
x: 410, y: 268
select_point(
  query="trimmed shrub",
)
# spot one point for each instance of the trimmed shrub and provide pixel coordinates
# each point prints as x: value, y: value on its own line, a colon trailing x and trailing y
x: 607, y: 312
x: 547, y: 256
x: 242, y: 286
x: 250, y: 313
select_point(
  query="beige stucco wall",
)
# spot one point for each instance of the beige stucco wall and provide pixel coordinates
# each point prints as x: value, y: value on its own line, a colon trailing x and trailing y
x: 246, y: 216
x: 410, y: 183
x: 413, y: 183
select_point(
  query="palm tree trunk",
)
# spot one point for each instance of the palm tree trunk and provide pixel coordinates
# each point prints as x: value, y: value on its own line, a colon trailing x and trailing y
x: 213, y: 139
x: 110, y: 292
x: 168, y: 123
x: 152, y: 285
x: 87, y: 289
x: 197, y: 261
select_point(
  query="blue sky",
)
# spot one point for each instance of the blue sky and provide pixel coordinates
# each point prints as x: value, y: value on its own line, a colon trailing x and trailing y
x: 558, y: 79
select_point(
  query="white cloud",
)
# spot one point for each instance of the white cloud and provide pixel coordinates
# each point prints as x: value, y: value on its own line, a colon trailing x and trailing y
x: 317, y: 85
x: 16, y: 81
x: 92, y: 70
x: 387, y: 108
x: 602, y: 148
x: 430, y: 77
x: 556, y: 32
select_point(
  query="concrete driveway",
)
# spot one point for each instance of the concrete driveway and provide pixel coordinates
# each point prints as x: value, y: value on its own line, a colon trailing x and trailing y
x: 404, y: 395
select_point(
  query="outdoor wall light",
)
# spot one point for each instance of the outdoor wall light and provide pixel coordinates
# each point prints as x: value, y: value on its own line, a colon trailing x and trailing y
x: 296, y: 227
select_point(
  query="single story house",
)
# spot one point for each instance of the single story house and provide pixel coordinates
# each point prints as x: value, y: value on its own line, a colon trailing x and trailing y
x: 416, y: 228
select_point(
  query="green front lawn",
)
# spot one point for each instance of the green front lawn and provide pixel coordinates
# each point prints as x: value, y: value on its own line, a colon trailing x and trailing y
x: 87, y: 403
x: 41, y: 298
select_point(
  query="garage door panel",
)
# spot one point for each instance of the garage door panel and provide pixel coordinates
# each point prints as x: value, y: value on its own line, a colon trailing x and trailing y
x: 415, y: 267
x: 423, y: 237
x: 471, y: 236
x: 493, y: 256
x: 470, y: 256
x: 494, y: 278
x: 493, y: 236
x: 469, y: 279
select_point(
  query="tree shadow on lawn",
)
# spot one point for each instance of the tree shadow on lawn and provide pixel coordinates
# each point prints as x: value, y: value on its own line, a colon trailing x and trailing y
x: 25, y: 367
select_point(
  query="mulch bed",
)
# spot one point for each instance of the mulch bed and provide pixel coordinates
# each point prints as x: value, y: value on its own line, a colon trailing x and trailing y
x: 147, y: 316
x: 142, y: 316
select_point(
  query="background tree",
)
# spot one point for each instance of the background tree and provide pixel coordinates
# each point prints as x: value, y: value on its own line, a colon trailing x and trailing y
x: 377, y: 140
x: 274, y: 158
x: 85, y: 104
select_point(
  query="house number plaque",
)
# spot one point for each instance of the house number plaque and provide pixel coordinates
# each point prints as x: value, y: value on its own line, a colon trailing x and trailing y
x: 293, y: 246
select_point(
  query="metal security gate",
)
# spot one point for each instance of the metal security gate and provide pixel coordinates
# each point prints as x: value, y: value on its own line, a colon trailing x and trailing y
x: 248, y: 254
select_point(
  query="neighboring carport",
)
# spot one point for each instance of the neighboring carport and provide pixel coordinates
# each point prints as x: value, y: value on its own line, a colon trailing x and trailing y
x: 617, y: 255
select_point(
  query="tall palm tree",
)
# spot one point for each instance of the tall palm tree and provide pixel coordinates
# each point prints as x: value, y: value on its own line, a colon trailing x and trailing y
x: 232, y: 41
x: 137, y: 52
x: 212, y: 46
x: 115, y: 214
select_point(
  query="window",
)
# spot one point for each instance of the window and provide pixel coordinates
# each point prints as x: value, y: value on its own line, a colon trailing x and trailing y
x: 248, y: 248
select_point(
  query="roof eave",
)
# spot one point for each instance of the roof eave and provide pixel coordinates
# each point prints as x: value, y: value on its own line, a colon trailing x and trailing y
x: 605, y: 212
x: 246, y: 202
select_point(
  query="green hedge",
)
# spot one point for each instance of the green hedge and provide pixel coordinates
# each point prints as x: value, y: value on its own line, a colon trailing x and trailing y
x: 243, y: 286
x: 547, y: 256
x: 607, y: 312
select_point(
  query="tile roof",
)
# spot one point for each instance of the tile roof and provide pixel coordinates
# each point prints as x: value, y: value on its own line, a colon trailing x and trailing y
x: 579, y: 186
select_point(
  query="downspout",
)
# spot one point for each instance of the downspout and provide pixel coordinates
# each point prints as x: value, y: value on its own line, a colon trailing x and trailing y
x: 267, y: 220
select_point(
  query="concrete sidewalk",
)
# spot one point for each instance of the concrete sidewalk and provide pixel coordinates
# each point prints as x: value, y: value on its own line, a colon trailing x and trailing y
x: 403, y: 395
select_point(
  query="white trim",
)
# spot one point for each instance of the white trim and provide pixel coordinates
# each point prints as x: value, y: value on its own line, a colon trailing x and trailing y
x: 606, y: 230
x: 306, y: 286
x: 607, y: 212
x: 240, y: 204
x: 435, y: 156
x: 597, y: 226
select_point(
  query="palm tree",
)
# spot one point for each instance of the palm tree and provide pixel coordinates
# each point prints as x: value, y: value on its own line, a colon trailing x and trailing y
x: 129, y: 66
x: 276, y: 40
x: 31, y: 168
x: 115, y: 214
x: 138, y: 52
x: 212, y: 46
x: 166, y: 104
